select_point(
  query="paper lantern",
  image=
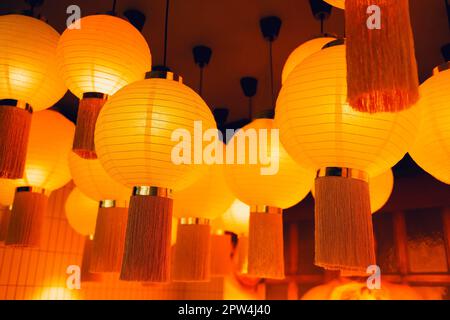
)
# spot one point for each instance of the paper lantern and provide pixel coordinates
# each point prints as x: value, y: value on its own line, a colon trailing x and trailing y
x: 237, y: 217
x: 381, y: 63
x: 28, y: 82
x: 196, y: 206
x: 337, y: 3
x: 81, y: 213
x: 321, y: 131
x: 302, y: 52
x: 134, y: 143
x: 431, y: 150
x: 90, y: 177
x: 102, y: 56
x: 267, y: 194
x: 7, y: 190
x: 46, y: 169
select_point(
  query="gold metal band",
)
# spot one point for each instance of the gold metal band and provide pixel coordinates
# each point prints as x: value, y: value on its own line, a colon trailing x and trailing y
x: 266, y: 209
x: 95, y: 95
x: 441, y: 68
x: 343, y: 173
x: 152, y: 191
x: 32, y: 190
x: 160, y: 74
x: 16, y: 104
x: 193, y: 221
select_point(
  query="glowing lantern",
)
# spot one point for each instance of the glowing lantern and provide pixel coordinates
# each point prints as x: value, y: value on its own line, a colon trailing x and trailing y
x: 302, y: 52
x: 431, y: 150
x: 134, y: 142
x: 28, y: 82
x: 102, y: 56
x: 267, y: 192
x: 46, y: 169
x: 195, y: 207
x: 90, y: 177
x: 221, y: 249
x: 337, y: 3
x: 321, y: 131
x: 7, y: 189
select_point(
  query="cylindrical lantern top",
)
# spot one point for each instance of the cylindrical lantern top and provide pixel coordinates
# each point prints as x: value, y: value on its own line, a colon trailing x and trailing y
x: 103, y: 55
x: 302, y: 52
x: 431, y: 150
x: 287, y: 185
x: 90, y: 177
x: 49, y: 146
x: 141, y: 127
x: 319, y: 129
x: 337, y: 3
x: 81, y: 212
x: 28, y: 68
x: 7, y: 190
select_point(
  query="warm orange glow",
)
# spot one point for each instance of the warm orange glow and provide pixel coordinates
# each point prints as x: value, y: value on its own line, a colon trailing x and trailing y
x: 28, y: 69
x: 104, y: 55
x: 81, y: 212
x: 431, y: 150
x: 236, y: 218
x: 7, y: 190
x: 47, y: 163
x: 56, y: 293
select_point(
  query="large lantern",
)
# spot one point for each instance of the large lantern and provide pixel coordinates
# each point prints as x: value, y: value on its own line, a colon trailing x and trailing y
x: 28, y: 82
x: 268, y: 193
x: 46, y: 169
x: 321, y: 131
x: 101, y: 56
x: 134, y: 141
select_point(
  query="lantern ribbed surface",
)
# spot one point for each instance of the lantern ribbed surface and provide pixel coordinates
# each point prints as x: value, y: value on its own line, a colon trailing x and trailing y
x: 431, y: 150
x: 134, y: 130
x: 337, y: 3
x: 104, y: 55
x: 81, y: 212
x: 319, y: 129
x: 7, y: 190
x: 283, y: 189
x: 47, y: 164
x: 28, y: 69
x: 302, y: 52
x: 90, y: 177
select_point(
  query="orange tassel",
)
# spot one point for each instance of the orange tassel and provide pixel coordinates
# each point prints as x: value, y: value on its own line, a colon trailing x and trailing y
x: 381, y: 64
x: 86, y: 274
x: 220, y: 255
x: 5, y: 215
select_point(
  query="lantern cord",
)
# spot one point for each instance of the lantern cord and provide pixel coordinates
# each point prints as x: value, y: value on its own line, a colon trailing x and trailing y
x: 272, y: 90
x: 114, y: 7
x: 322, y: 23
x: 166, y: 30
x: 447, y: 5
x: 200, y: 86
x: 250, y: 108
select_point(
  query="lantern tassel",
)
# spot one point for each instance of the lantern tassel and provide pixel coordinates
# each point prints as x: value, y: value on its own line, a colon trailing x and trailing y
x: 148, y: 238
x: 344, y: 235
x: 88, y: 111
x: 14, y: 131
x: 192, y: 252
x: 86, y: 274
x: 381, y: 64
x: 241, y: 255
x: 5, y: 215
x: 27, y: 217
x: 266, y: 247
x: 220, y: 255
x: 109, y: 240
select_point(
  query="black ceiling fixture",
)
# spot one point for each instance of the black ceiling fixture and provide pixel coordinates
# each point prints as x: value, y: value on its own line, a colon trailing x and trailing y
x: 321, y: 11
x: 136, y: 18
x: 33, y: 5
x: 202, y: 56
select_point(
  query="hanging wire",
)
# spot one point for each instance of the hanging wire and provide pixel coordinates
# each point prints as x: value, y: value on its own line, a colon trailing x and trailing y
x: 250, y: 108
x: 447, y: 5
x: 272, y: 88
x: 200, y: 86
x: 114, y: 7
x: 166, y: 29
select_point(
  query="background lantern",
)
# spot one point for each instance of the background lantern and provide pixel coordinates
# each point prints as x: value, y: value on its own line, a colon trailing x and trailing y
x: 267, y: 194
x: 112, y: 202
x: 7, y: 190
x: 95, y: 61
x: 133, y: 140
x: 28, y: 82
x: 46, y: 169
x: 221, y: 249
x: 195, y: 207
x: 431, y: 150
x: 337, y: 3
x: 321, y: 131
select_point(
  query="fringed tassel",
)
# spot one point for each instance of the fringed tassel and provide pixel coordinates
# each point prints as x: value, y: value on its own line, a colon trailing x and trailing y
x: 88, y: 111
x: 343, y: 236
x: 5, y: 215
x: 147, y: 242
x: 15, y: 125
x: 381, y: 64
x: 86, y: 274
x: 192, y: 251
x: 266, y: 245
x: 27, y: 217
x: 241, y: 255
x: 220, y: 255
x: 109, y: 240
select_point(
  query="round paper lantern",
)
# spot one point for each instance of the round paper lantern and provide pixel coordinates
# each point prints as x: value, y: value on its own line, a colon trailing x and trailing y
x: 431, y: 150
x: 196, y: 206
x: 7, y: 190
x: 90, y: 177
x: 28, y: 82
x: 46, y: 169
x: 337, y: 3
x: 302, y: 52
x: 102, y: 56
x: 134, y: 141
x: 321, y: 131
x: 268, y: 192
x: 81, y: 213
x: 237, y: 217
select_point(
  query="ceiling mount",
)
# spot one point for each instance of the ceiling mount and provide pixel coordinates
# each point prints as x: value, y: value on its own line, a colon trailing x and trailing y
x: 270, y: 27
x: 161, y: 68
x: 249, y: 86
x: 202, y: 55
x: 321, y: 10
x: 137, y: 18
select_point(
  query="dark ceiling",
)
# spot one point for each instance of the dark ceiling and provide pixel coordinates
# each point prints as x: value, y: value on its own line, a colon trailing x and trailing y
x: 231, y: 29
